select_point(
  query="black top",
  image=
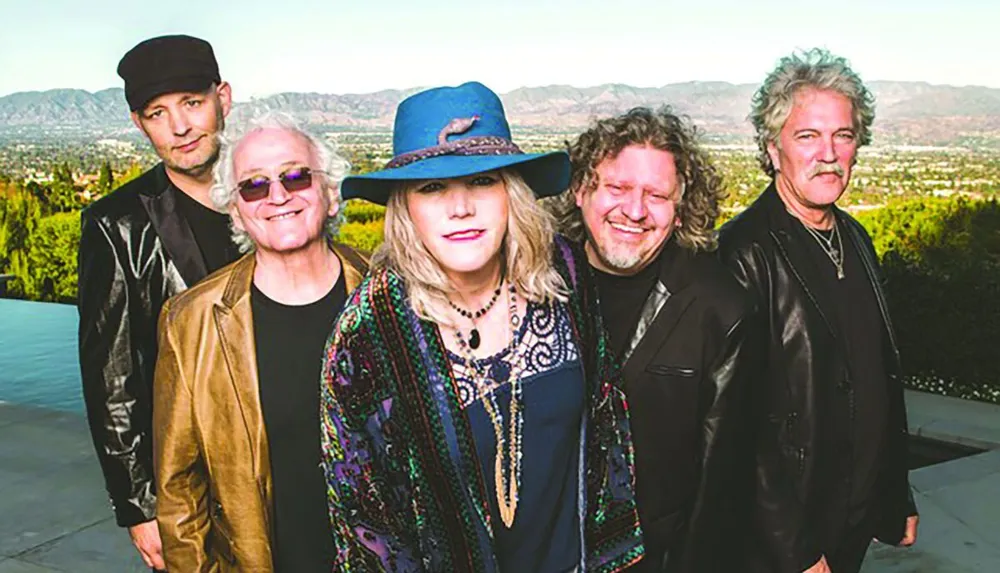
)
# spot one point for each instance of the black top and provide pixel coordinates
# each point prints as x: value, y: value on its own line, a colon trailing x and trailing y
x: 622, y: 299
x: 290, y: 342
x: 211, y: 231
x: 859, y: 323
x: 546, y: 532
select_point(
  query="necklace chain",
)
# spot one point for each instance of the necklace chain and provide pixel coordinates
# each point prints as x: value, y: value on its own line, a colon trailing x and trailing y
x: 507, y: 461
x: 474, y: 338
x: 481, y: 312
x: 836, y: 255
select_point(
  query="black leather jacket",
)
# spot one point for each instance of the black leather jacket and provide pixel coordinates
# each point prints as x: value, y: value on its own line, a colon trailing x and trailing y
x: 135, y: 253
x: 687, y: 370
x: 804, y: 360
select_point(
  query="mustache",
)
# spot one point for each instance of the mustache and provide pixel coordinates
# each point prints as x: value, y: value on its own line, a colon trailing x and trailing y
x: 822, y: 168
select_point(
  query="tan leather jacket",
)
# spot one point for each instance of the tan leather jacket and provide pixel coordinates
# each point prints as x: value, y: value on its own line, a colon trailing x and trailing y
x: 214, y: 505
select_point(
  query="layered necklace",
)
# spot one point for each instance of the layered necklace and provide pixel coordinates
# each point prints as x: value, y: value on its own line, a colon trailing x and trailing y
x: 474, y: 338
x: 834, y: 253
x: 507, y: 461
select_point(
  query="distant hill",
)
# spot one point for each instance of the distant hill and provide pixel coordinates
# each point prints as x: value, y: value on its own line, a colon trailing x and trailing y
x: 908, y: 112
x: 64, y: 107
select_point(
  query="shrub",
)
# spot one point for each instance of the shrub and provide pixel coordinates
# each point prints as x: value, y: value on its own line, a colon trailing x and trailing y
x: 941, y: 263
x: 47, y: 270
x: 364, y: 237
x: 360, y: 211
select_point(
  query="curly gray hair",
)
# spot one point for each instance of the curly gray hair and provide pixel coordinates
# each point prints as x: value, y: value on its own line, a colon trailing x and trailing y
x: 223, y: 193
x: 815, y: 68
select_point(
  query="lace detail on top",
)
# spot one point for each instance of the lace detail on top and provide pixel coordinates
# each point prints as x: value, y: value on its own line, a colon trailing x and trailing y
x: 545, y: 338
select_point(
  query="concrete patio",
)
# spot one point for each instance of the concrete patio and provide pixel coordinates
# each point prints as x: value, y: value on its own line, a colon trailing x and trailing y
x: 54, y: 516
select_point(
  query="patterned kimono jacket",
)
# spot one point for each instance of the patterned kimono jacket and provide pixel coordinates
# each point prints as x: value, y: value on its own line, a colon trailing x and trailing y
x: 405, y: 487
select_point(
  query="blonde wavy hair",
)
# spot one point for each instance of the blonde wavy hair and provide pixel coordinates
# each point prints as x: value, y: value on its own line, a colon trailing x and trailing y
x: 816, y: 68
x: 526, y: 252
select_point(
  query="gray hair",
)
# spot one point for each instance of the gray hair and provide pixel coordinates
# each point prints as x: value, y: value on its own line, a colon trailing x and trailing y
x: 223, y: 193
x: 816, y: 68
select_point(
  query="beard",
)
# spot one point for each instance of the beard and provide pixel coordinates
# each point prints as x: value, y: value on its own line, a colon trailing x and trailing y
x: 621, y: 258
x: 618, y: 257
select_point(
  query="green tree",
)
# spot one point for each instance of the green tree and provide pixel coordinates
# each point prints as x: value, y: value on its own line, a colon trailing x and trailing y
x: 133, y: 172
x: 106, y: 179
x: 63, y: 193
x: 47, y: 270
x: 20, y: 213
x: 941, y: 263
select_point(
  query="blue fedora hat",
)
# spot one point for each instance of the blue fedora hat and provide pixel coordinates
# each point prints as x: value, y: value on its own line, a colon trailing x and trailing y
x: 454, y: 132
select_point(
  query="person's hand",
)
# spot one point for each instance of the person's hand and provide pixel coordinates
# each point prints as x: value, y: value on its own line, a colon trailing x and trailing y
x: 910, y: 536
x: 146, y: 538
x: 819, y: 567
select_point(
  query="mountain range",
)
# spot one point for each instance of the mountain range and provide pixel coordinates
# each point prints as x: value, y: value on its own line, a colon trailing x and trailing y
x: 907, y: 112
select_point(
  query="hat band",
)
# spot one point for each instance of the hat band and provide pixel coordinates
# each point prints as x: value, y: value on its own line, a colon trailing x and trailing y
x: 481, y: 145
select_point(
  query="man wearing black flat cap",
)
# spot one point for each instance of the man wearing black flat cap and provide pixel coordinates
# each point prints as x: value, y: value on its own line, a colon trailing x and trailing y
x: 143, y: 243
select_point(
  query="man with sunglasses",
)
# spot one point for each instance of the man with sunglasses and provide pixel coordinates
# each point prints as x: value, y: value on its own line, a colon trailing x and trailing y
x: 143, y: 243
x: 236, y: 406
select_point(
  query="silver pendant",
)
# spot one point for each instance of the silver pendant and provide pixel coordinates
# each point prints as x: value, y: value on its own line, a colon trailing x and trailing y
x: 840, y: 274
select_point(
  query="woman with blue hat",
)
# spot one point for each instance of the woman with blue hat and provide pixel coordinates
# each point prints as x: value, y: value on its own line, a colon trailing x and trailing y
x: 472, y: 419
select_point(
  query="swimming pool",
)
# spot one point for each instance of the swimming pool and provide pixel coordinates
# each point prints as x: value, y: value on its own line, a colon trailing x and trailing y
x: 38, y: 355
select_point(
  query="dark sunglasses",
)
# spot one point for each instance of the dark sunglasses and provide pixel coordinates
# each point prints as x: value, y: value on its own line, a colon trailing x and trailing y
x: 259, y: 186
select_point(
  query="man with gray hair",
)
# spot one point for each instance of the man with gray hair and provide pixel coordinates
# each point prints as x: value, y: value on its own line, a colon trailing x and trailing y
x: 236, y: 429
x: 830, y: 422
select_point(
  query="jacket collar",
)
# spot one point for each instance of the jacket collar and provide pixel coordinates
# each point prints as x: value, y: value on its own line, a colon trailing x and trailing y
x: 664, y: 306
x: 782, y: 226
x: 175, y: 234
x: 353, y: 265
x: 234, y: 321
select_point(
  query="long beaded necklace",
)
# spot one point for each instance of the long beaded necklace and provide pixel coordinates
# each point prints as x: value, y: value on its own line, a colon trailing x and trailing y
x: 507, y: 461
x: 474, y: 338
x: 835, y: 254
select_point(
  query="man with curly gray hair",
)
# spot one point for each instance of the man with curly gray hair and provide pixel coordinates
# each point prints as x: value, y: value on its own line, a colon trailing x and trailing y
x: 235, y: 398
x: 828, y: 412
x: 644, y: 198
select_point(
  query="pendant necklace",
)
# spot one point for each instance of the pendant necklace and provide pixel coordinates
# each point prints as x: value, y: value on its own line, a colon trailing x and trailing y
x: 474, y: 338
x: 835, y: 254
x: 507, y: 461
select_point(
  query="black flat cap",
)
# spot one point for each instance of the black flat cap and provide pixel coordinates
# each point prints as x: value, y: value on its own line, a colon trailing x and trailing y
x: 167, y: 64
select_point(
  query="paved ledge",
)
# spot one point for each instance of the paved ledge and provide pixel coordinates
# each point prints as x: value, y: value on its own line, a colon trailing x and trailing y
x: 55, y: 516
x: 954, y: 420
x: 957, y: 500
x: 959, y: 513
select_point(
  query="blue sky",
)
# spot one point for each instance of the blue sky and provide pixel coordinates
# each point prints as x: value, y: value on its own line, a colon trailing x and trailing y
x: 359, y: 46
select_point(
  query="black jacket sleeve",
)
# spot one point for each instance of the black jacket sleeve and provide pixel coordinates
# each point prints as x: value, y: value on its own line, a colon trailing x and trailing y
x: 116, y: 395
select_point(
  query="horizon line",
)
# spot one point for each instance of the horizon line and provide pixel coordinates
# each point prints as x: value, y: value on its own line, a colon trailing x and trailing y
x: 418, y: 88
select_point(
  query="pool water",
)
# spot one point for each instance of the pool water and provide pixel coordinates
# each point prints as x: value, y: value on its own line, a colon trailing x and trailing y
x: 925, y: 452
x: 38, y: 355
